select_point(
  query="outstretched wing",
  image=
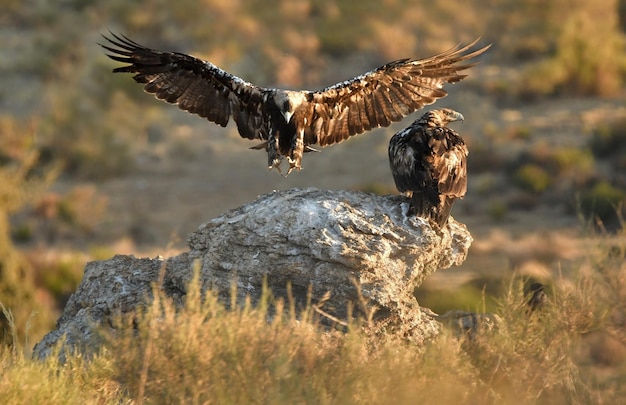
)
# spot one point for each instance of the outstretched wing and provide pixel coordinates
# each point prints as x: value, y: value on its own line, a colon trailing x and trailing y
x: 385, y: 95
x: 194, y: 85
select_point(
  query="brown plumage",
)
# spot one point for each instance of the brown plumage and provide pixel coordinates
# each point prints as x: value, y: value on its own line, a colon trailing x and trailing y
x: 428, y: 161
x: 288, y: 122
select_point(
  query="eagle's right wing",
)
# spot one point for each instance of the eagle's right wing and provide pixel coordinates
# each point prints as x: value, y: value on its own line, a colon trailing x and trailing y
x: 196, y: 86
x: 385, y: 95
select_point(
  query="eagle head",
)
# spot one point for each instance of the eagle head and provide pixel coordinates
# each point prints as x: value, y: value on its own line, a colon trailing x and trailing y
x: 441, y: 117
x: 288, y: 101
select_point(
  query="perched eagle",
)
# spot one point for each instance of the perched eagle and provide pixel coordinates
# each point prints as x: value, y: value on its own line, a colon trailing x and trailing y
x: 428, y: 160
x: 288, y: 122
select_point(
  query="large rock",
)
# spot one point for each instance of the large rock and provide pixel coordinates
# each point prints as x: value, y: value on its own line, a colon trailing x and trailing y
x: 349, y: 247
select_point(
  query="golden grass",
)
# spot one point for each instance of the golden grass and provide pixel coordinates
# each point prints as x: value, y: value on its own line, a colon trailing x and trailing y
x: 203, y: 353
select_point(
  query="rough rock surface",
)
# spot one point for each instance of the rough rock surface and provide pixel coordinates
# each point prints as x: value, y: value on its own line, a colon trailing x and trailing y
x: 350, y: 244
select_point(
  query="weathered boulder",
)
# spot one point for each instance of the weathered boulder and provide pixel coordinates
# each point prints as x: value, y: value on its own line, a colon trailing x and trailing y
x: 348, y: 247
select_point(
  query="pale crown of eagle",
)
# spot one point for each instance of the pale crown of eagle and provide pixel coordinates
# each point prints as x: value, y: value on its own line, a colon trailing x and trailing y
x: 287, y: 121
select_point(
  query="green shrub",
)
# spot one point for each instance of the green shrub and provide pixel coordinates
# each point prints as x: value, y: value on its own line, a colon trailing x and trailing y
x: 574, y: 160
x: 22, y: 233
x: 19, y: 186
x: 520, y: 132
x: 89, y: 142
x: 61, y: 278
x: 567, y: 53
x: 484, y: 155
x: 533, y: 178
x: 592, y: 54
x: 497, y: 209
x: 604, y: 203
x: 609, y: 139
x: 468, y: 297
x: 541, y: 79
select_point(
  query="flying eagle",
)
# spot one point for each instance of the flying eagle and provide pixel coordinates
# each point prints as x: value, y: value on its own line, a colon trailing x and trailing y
x: 428, y: 160
x: 289, y: 122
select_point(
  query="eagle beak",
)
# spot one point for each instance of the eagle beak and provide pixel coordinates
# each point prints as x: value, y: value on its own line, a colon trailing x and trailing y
x: 287, y: 115
x: 459, y: 117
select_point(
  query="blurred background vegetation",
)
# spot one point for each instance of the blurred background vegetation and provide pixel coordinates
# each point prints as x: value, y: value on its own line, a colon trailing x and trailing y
x: 88, y: 162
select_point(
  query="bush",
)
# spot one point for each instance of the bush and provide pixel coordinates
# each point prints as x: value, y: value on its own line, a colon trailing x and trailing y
x: 571, y: 55
x: 18, y: 187
x: 609, y: 139
x: 207, y: 354
x: 533, y: 178
x: 574, y: 161
x: 497, y: 209
x: 604, y: 203
x: 471, y: 296
x: 90, y: 142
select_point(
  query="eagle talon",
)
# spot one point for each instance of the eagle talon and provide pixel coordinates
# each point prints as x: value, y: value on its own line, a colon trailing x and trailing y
x: 276, y: 165
x: 293, y: 164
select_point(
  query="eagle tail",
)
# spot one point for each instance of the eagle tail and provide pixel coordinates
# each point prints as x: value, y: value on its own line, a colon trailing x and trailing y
x: 431, y: 206
x: 442, y: 212
x: 422, y: 203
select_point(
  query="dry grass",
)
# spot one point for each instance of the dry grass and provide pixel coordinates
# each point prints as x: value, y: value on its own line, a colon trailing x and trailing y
x: 203, y: 353
x: 24, y: 381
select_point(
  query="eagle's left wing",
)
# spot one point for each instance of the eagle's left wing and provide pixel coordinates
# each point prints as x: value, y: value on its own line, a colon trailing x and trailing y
x: 196, y: 86
x: 385, y: 95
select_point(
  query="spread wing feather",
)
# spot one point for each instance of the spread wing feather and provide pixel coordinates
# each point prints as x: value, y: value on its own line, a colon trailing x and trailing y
x: 196, y: 86
x: 387, y: 94
x: 374, y: 99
